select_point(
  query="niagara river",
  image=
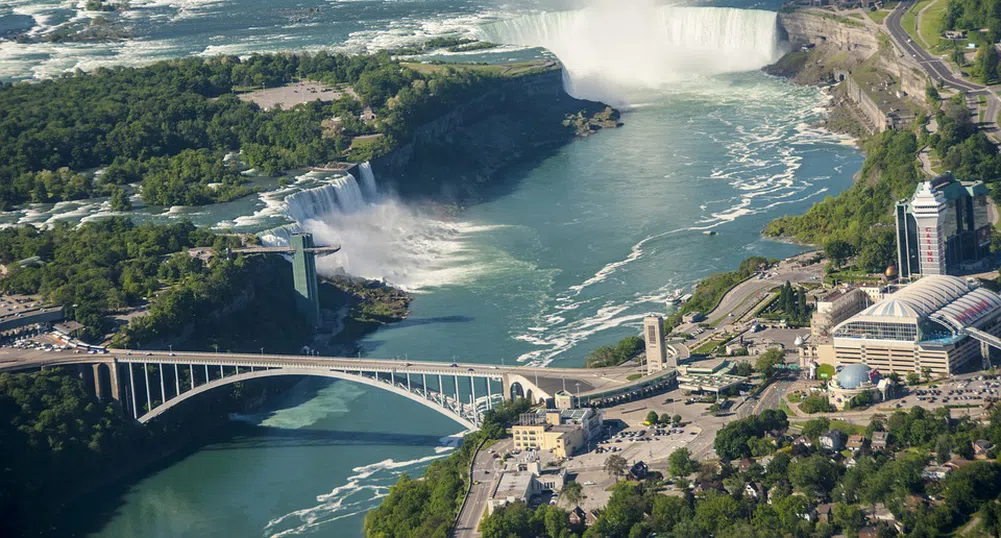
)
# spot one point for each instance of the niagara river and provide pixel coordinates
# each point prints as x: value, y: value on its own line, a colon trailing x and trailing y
x: 558, y: 258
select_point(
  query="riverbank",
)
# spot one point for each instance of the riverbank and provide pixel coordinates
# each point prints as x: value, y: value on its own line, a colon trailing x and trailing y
x: 72, y: 447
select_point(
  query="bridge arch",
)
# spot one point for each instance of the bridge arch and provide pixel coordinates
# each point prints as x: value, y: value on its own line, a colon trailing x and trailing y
x: 315, y: 372
x: 517, y: 391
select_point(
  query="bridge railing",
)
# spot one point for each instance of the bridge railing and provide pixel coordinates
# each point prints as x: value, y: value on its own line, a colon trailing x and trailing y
x: 156, y: 377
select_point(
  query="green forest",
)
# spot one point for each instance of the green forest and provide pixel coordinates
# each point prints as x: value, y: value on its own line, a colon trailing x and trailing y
x: 974, y: 15
x: 427, y: 507
x: 168, y: 126
x: 859, y: 221
x: 57, y: 441
x: 102, y: 268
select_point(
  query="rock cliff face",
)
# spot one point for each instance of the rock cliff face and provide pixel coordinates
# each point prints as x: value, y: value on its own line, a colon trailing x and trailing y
x: 520, y: 120
x: 825, y: 29
x: 842, y: 43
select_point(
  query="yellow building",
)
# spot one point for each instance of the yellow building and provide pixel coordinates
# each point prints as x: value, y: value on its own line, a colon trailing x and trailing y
x: 560, y: 432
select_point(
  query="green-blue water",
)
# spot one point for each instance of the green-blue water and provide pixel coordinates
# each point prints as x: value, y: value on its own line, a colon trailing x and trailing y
x: 565, y: 256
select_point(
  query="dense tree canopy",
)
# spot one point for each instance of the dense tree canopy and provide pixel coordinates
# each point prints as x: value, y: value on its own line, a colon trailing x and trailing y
x: 168, y: 125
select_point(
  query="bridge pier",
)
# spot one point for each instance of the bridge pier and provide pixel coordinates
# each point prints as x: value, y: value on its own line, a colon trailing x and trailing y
x: 132, y: 391
x: 149, y: 399
x: 163, y: 390
x: 472, y: 391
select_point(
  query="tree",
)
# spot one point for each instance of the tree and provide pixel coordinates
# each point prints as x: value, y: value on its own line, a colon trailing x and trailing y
x: 913, y: 378
x: 616, y: 465
x: 676, y: 419
x: 715, y: 512
x: 931, y: 93
x: 680, y: 462
x: 849, y: 518
x: 815, y: 403
x: 506, y: 521
x: 573, y: 492
x: 814, y: 475
x: 665, y: 418
x: 987, y: 64
x: 651, y: 417
x: 555, y: 520
x: 766, y: 363
x: 838, y: 251
x: 120, y: 200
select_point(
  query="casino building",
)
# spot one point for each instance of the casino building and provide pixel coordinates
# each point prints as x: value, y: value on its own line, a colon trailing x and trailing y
x: 934, y: 323
x: 944, y: 229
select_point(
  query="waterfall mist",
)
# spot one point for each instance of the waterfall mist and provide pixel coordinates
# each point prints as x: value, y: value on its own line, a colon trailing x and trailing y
x: 619, y: 51
x: 381, y: 237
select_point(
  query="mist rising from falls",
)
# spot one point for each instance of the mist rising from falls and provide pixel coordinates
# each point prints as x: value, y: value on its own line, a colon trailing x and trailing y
x: 381, y: 237
x: 616, y: 52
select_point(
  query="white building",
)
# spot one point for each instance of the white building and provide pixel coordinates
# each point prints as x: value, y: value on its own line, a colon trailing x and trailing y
x: 927, y: 324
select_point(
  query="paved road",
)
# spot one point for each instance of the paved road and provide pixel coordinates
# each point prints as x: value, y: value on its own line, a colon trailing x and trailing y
x: 938, y: 69
x: 748, y: 293
x: 484, y: 471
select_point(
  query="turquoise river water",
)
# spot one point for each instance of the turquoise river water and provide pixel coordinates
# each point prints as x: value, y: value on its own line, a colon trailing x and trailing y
x: 564, y: 256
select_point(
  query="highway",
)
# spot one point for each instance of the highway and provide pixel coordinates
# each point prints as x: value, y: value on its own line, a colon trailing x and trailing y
x: 940, y: 70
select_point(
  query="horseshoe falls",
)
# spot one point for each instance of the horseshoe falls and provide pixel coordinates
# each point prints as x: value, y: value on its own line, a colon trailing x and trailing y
x: 612, y: 51
x: 561, y: 255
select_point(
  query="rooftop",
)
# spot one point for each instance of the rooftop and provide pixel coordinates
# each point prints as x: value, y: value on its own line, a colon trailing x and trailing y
x: 513, y: 484
x: 948, y: 300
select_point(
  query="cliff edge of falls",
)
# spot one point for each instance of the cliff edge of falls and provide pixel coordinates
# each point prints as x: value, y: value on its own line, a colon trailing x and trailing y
x: 520, y: 120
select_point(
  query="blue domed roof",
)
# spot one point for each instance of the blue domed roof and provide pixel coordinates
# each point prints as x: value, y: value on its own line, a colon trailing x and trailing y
x: 853, y: 375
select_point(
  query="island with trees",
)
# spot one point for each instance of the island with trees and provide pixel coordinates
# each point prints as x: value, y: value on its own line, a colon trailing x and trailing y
x: 166, y: 129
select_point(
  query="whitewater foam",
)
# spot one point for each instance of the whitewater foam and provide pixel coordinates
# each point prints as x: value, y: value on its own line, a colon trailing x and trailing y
x: 359, y: 494
x: 616, y: 52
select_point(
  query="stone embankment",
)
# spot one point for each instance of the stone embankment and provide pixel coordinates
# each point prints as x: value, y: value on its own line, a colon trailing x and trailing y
x: 877, y: 79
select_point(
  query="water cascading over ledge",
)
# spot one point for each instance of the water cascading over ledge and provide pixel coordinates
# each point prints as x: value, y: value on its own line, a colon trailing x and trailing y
x: 612, y: 52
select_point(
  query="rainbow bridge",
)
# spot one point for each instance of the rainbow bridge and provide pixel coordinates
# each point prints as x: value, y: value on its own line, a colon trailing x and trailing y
x: 148, y: 384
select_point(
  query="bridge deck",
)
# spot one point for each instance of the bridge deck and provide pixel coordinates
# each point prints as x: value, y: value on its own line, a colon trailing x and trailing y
x: 576, y: 380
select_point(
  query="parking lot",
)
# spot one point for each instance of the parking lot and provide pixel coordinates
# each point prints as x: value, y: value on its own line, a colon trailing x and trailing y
x: 636, y: 441
x: 974, y: 391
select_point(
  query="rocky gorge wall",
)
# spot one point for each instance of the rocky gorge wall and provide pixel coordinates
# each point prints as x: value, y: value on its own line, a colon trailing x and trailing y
x: 520, y: 120
x: 821, y: 28
x: 841, y: 43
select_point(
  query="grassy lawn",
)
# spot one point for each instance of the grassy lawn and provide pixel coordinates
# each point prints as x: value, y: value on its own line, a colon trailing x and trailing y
x: 983, y: 107
x: 633, y: 377
x: 879, y: 16
x: 847, y: 427
x: 909, y: 21
x: 707, y: 347
x: 930, y: 21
